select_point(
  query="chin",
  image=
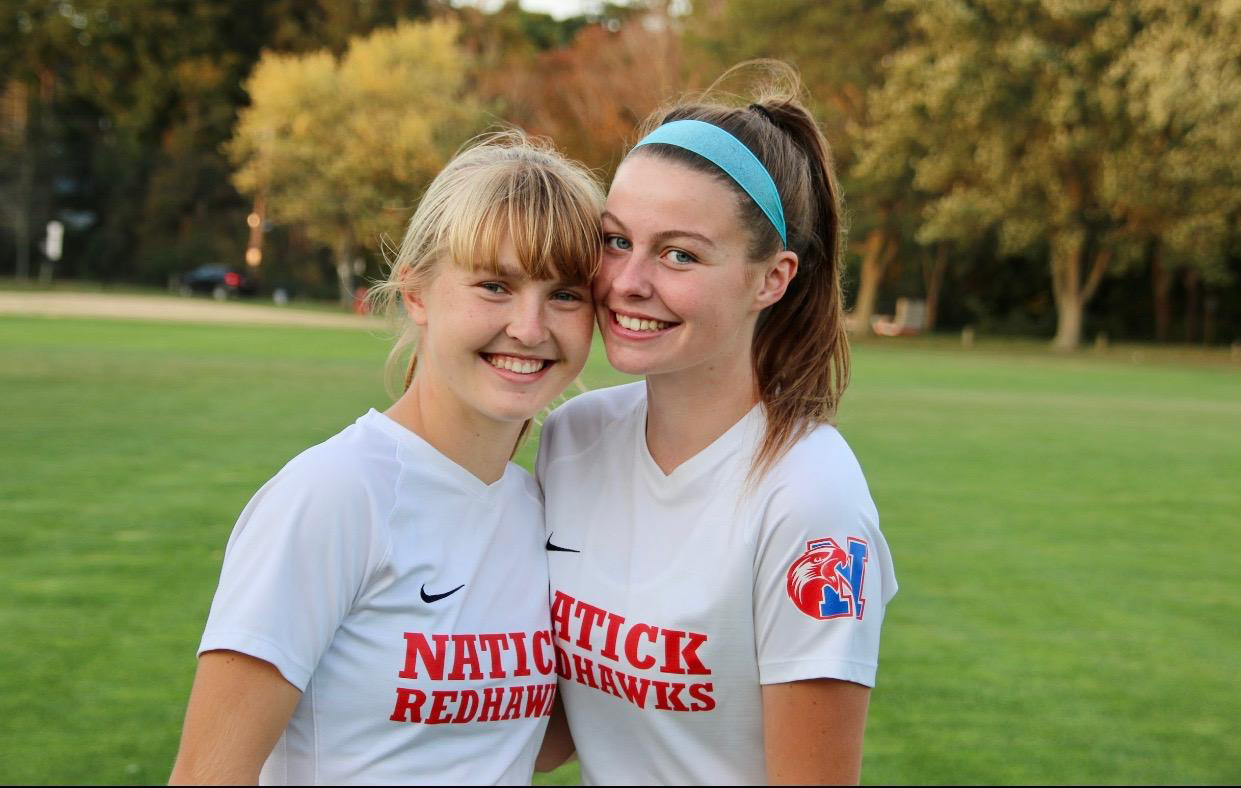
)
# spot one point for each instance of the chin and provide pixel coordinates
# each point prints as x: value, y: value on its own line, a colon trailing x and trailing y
x: 632, y: 364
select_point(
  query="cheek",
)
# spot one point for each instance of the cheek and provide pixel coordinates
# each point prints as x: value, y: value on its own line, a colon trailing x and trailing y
x: 602, y: 283
x: 573, y: 331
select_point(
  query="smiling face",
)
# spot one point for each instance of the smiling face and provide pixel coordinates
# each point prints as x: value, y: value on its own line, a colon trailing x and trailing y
x: 501, y: 344
x: 676, y: 291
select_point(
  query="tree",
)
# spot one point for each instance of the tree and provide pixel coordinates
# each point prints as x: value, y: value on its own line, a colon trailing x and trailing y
x: 344, y: 146
x: 996, y: 106
x: 1175, y: 186
x: 839, y: 48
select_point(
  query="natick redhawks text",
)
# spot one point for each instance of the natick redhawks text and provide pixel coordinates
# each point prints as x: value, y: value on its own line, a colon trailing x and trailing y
x: 621, y: 644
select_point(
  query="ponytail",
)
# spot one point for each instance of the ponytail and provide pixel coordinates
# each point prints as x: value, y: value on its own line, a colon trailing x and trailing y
x: 800, y: 350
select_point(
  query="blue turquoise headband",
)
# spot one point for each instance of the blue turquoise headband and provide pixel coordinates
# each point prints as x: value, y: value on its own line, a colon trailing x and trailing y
x: 730, y: 155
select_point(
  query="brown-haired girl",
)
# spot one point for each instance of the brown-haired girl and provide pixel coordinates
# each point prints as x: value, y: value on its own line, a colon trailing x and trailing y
x: 381, y: 616
x: 718, y: 574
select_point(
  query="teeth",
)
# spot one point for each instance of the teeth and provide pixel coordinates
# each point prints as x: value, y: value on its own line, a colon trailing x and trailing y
x: 522, y: 366
x: 638, y: 324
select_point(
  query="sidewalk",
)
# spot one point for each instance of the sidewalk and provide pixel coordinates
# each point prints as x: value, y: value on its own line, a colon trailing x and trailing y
x: 190, y: 310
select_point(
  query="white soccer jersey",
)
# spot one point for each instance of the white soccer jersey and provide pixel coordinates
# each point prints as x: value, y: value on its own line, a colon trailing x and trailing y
x: 674, y: 597
x: 407, y: 600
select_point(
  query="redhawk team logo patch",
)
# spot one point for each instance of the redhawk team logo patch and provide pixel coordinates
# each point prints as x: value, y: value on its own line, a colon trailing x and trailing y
x: 826, y: 581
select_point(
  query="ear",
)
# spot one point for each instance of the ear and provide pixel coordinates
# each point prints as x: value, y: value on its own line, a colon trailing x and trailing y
x: 779, y: 272
x: 414, y: 307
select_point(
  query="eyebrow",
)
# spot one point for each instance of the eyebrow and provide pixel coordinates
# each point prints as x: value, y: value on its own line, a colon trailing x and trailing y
x: 665, y: 235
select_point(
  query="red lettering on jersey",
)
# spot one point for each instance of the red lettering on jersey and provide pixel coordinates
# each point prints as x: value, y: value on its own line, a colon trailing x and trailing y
x: 563, y: 670
x: 631, y: 645
x: 416, y: 645
x: 536, y: 699
x: 492, y: 644
x: 584, y: 667
x: 562, y: 605
x: 609, y: 644
x: 519, y: 645
x: 551, y: 701
x: 607, y: 681
x: 468, y: 707
x: 674, y: 652
x: 542, y: 661
x: 667, y: 696
x: 590, y: 615
x: 465, y: 652
x: 513, y: 709
x: 635, y: 688
x: 490, y: 712
x: 702, y: 692
x: 408, y: 705
x: 439, y: 701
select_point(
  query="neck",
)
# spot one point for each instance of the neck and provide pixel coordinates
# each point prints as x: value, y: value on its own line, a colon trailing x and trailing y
x: 480, y: 445
x: 686, y: 411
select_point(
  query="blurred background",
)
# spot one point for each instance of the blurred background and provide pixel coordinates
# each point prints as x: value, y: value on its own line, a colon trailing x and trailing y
x: 1064, y: 169
x: 1043, y: 275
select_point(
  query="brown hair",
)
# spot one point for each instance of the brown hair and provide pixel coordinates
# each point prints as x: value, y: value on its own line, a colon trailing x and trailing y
x: 800, y: 350
x: 500, y: 186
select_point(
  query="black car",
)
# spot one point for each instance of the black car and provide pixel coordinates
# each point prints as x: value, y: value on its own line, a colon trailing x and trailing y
x: 219, y: 281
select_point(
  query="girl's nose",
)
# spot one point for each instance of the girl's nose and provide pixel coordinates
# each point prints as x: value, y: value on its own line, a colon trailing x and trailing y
x: 630, y: 277
x: 528, y: 324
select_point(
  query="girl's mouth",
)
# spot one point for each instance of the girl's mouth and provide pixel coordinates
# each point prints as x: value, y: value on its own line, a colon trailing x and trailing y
x: 639, y: 327
x: 518, y: 365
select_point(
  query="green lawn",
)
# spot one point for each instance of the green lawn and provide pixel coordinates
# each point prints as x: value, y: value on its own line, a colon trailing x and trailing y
x: 1066, y: 531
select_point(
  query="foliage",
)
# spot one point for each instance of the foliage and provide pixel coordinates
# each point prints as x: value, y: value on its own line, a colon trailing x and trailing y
x: 1047, y: 120
x: 978, y: 140
x: 344, y: 146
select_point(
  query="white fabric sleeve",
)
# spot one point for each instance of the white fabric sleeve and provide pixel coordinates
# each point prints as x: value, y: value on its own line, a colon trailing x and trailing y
x: 817, y: 540
x: 298, y: 559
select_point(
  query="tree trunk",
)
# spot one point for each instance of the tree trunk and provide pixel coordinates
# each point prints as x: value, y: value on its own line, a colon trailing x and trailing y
x: 933, y: 278
x: 877, y: 251
x: 25, y: 181
x: 344, y: 271
x: 1193, y: 303
x: 1161, y: 287
x: 1071, y: 293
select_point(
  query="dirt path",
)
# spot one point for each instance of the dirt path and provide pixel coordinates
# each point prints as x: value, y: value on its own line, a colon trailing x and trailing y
x: 154, y: 307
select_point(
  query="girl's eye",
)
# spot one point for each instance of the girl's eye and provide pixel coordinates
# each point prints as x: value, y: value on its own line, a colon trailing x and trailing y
x: 493, y: 287
x: 617, y: 242
x: 566, y: 295
x: 681, y: 257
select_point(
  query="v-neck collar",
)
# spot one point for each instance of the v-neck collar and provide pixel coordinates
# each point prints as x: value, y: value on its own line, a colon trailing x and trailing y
x: 702, y: 468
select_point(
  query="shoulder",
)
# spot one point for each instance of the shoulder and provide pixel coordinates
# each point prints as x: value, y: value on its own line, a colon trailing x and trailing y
x: 354, y: 463
x: 347, y: 481
x: 819, y: 479
x: 580, y: 421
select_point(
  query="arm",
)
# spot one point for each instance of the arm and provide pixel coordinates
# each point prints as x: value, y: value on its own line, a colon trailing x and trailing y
x: 812, y: 731
x: 238, y: 708
x: 558, y: 744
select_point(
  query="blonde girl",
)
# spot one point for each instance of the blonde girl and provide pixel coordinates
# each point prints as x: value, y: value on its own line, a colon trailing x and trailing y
x: 382, y: 612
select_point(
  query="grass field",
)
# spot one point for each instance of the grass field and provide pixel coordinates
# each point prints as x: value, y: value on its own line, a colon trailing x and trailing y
x: 1066, y: 531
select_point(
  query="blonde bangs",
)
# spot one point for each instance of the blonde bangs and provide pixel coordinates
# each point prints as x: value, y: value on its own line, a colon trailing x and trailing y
x: 551, y: 217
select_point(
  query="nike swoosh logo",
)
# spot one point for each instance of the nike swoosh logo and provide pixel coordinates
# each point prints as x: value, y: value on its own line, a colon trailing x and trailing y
x: 558, y: 548
x: 437, y: 597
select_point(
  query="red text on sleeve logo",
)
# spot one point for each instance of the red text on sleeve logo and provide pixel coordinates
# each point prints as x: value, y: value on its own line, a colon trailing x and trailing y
x: 826, y: 581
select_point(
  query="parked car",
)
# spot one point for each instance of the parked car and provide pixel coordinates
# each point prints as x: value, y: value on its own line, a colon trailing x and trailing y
x: 218, y: 281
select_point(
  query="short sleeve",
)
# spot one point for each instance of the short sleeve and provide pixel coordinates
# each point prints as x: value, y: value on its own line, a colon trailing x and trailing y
x: 822, y: 578
x: 298, y: 559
